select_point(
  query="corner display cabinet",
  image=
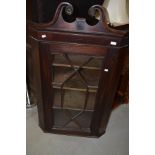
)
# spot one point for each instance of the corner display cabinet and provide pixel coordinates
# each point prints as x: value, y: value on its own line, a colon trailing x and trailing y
x: 78, y: 64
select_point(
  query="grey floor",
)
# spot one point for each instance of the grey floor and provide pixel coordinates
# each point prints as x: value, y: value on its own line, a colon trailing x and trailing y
x: 114, y: 142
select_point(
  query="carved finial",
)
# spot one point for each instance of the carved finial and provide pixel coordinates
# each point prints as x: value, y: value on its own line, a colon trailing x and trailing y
x: 92, y: 11
x: 102, y: 12
x: 69, y: 9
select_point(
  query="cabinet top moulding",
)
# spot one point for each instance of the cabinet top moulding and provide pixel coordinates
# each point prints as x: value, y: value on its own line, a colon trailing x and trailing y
x: 79, y: 31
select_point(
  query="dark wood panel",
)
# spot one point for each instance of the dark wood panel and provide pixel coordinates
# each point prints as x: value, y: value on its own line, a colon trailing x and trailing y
x: 77, y: 49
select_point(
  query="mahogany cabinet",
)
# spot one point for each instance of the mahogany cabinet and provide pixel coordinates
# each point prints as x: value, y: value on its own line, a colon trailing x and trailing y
x: 78, y: 66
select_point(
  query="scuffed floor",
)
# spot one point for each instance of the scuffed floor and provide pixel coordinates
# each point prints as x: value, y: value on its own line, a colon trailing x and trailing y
x: 114, y: 142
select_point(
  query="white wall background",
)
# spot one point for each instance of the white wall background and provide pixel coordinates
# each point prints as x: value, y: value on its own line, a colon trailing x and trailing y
x: 118, y: 11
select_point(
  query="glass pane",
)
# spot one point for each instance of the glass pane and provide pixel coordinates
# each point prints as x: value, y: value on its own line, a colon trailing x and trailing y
x: 73, y: 99
x: 78, y: 60
x: 62, y: 119
x: 75, y: 82
x: 61, y: 74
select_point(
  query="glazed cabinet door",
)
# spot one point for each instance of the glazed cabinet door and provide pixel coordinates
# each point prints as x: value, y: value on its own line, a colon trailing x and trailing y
x: 72, y: 81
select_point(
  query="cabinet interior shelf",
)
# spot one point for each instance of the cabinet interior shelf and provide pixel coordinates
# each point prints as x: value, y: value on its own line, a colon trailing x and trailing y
x: 75, y: 66
x: 92, y: 89
x: 75, y: 109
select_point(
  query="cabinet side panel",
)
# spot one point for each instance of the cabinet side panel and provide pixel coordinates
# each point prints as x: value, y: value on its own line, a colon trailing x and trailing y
x: 46, y: 85
x: 37, y: 80
x: 107, y: 89
x: 122, y: 94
